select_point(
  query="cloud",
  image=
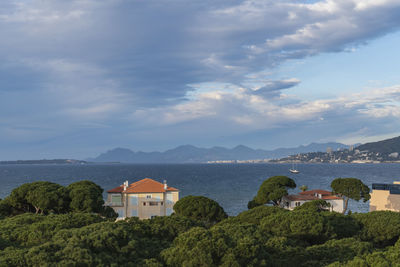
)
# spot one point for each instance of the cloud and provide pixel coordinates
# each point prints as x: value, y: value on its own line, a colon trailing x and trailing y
x: 129, y: 66
x: 154, y: 60
x: 270, y: 87
x: 243, y: 112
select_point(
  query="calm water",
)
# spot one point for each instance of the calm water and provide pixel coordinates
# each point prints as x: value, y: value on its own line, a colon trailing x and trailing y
x: 231, y: 185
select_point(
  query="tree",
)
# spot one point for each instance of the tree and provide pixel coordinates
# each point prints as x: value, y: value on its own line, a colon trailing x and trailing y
x: 380, y: 227
x: 310, y: 226
x: 256, y: 214
x: 317, y: 205
x: 39, y: 197
x: 109, y: 212
x: 336, y: 250
x: 86, y: 196
x: 302, y: 225
x: 303, y: 188
x: 272, y: 190
x: 18, y: 195
x: 47, y: 196
x: 350, y: 188
x: 227, y: 245
x: 200, y: 208
x: 5, y: 207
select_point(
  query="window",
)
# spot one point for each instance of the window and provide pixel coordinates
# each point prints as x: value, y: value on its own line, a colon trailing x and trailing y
x: 116, y: 199
x: 169, y: 198
x: 134, y: 213
x: 144, y: 203
x: 297, y: 204
x: 134, y: 200
x: 148, y: 196
x: 153, y: 203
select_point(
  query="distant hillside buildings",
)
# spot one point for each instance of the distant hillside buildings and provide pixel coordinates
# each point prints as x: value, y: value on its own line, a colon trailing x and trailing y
x: 342, y: 156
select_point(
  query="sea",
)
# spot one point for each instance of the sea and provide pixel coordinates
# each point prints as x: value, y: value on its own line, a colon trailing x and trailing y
x: 231, y: 185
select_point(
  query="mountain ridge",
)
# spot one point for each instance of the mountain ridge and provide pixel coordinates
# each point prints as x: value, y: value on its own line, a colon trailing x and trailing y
x: 192, y: 154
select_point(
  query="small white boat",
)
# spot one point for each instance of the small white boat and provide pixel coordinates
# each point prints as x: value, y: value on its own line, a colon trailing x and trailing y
x: 294, y: 169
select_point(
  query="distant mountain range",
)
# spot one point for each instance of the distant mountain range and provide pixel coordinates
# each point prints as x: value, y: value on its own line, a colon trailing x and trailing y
x: 192, y: 154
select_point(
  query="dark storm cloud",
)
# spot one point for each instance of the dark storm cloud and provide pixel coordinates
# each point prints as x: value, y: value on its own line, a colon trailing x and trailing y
x: 68, y: 67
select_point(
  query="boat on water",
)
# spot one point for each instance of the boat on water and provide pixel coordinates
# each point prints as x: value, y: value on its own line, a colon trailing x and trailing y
x: 294, y: 169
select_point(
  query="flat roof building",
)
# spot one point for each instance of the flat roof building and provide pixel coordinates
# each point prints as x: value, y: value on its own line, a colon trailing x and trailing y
x: 385, y: 197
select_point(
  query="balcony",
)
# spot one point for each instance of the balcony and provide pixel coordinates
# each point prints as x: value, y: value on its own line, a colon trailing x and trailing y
x: 114, y: 204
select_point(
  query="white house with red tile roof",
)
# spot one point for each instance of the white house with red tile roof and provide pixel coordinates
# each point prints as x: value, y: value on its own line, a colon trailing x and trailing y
x: 292, y: 201
x: 144, y: 199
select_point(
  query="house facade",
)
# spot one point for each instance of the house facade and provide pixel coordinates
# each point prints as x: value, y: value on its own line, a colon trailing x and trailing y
x: 385, y: 197
x: 144, y: 199
x: 292, y: 201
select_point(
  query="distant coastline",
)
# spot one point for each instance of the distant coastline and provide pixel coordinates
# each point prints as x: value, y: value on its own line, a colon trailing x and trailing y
x: 45, y: 161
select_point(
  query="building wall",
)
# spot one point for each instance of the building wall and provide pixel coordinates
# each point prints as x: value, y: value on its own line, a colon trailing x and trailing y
x: 145, y: 210
x: 145, y: 205
x: 292, y: 203
x: 383, y: 200
x: 336, y: 204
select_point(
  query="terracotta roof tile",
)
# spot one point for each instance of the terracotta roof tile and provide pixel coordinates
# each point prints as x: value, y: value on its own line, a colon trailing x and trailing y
x: 310, y: 195
x: 331, y: 197
x: 318, y: 191
x: 118, y: 189
x: 300, y: 197
x: 146, y: 185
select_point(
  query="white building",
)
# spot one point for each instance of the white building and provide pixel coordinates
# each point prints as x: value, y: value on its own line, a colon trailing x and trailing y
x: 292, y: 201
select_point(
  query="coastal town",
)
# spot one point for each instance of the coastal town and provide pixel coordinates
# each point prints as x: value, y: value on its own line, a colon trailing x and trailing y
x: 343, y: 155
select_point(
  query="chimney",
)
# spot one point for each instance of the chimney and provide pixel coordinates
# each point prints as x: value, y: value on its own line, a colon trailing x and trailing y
x: 165, y: 185
x: 126, y: 184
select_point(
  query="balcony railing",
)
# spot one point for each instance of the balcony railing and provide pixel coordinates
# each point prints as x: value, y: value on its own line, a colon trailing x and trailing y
x: 114, y: 204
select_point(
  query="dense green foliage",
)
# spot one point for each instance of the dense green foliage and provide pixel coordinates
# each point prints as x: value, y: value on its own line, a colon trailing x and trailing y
x: 272, y: 190
x: 50, y: 198
x: 380, y: 227
x: 85, y: 196
x: 200, y: 208
x: 315, y: 205
x: 262, y: 236
x: 309, y: 226
x: 5, y: 208
x: 350, y: 188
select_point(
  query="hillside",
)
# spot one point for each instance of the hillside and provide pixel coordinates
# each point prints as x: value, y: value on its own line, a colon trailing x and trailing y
x: 375, y: 152
x: 387, y: 146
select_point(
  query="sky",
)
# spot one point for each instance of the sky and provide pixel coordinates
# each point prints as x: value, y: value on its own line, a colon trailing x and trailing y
x: 80, y: 77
